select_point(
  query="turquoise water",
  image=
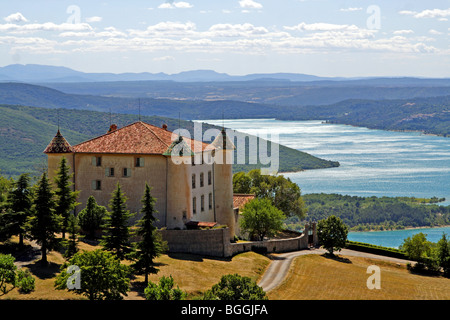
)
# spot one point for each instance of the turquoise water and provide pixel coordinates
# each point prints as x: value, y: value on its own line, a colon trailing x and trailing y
x: 373, y: 163
x: 394, y: 239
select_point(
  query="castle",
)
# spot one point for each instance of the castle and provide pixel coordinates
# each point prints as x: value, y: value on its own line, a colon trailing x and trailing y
x: 191, y: 180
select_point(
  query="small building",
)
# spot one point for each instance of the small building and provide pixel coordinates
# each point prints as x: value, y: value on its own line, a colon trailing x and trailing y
x: 191, y: 188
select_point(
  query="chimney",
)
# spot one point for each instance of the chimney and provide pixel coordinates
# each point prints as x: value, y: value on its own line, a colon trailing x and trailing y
x: 112, y: 128
x: 164, y: 126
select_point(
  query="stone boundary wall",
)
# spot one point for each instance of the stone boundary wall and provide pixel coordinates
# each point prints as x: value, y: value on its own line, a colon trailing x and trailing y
x: 215, y: 243
x: 203, y: 242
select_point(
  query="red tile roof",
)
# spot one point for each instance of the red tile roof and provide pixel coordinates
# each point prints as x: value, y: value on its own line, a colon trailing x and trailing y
x: 136, y: 138
x: 239, y: 199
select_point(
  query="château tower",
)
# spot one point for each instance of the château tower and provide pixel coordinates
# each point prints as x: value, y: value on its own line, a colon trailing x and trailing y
x: 223, y: 181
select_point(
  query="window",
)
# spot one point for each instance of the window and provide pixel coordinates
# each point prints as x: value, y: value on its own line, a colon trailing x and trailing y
x: 202, y: 203
x: 109, y: 172
x: 193, y: 181
x: 96, y: 185
x: 139, y: 162
x: 97, y: 161
x: 209, y: 178
x: 201, y: 179
x: 126, y: 172
x: 194, y: 205
x: 210, y: 201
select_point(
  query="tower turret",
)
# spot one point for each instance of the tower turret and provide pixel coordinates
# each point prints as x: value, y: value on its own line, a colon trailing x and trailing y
x: 57, y: 149
x: 223, y: 181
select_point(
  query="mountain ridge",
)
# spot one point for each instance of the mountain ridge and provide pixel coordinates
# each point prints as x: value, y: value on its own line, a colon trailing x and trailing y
x: 47, y: 73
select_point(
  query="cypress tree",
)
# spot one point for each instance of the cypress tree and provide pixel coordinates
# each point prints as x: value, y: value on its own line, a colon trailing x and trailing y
x: 117, y: 231
x: 44, y: 222
x: 150, y: 245
x: 66, y: 198
x: 19, y: 202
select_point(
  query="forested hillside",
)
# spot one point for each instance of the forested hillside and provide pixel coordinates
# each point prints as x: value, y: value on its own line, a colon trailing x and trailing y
x: 428, y: 115
x: 26, y: 131
x: 373, y: 213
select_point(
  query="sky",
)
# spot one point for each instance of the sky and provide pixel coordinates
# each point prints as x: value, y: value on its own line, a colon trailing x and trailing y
x: 337, y: 38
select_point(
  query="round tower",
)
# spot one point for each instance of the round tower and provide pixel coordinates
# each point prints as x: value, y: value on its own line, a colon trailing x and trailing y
x: 179, y: 198
x: 223, y: 153
x: 57, y: 149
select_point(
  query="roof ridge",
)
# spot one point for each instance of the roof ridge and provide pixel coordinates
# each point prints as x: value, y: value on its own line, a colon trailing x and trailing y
x: 148, y: 124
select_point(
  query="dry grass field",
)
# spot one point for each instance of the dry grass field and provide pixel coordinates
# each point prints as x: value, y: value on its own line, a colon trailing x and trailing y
x: 311, y: 277
x: 316, y: 277
x: 193, y: 274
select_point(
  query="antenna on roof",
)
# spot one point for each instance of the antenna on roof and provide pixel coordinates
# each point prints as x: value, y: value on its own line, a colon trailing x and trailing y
x: 110, y: 120
x: 57, y: 110
x: 139, y: 109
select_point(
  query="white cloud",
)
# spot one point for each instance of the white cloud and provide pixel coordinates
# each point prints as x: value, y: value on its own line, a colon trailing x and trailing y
x: 47, y: 26
x: 175, y: 5
x: 321, y: 27
x: 236, y: 30
x: 15, y: 18
x: 397, y: 32
x: 165, y: 58
x: 435, y: 32
x: 250, y: 4
x: 94, y: 19
x: 350, y: 9
x: 429, y: 13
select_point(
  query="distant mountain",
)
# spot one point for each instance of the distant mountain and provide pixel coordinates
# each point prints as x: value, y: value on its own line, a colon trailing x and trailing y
x: 42, y: 73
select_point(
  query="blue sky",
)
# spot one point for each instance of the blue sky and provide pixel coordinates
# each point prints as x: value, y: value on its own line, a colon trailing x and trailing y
x: 320, y: 37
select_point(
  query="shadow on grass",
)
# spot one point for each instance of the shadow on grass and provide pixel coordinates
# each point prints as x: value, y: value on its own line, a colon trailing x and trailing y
x: 138, y: 287
x: 195, y: 257
x: 336, y: 258
x: 44, y: 270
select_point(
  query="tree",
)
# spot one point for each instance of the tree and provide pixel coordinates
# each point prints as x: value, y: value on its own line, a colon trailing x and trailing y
x: 92, y: 218
x: 164, y: 290
x: 235, y: 287
x: 101, y: 276
x: 72, y: 228
x: 417, y: 247
x: 44, y: 222
x: 7, y: 273
x: 117, y: 231
x: 260, y: 219
x: 20, y: 201
x: 241, y: 183
x: 11, y: 277
x: 151, y: 245
x: 284, y: 194
x: 65, y: 197
x: 332, y: 233
x: 443, y: 254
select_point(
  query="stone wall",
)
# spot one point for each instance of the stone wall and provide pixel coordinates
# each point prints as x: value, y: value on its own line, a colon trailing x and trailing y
x: 215, y: 242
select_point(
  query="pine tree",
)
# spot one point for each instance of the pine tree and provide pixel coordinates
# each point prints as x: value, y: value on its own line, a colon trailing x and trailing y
x: 150, y: 245
x: 91, y: 218
x: 44, y: 222
x: 72, y: 245
x: 117, y: 231
x: 66, y: 198
x: 19, y: 201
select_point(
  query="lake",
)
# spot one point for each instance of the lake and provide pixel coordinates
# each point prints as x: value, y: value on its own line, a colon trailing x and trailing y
x: 373, y: 162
